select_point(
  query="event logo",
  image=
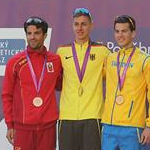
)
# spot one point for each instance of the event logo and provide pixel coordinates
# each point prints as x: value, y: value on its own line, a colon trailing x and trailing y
x: 10, y: 47
x: 13, y: 41
x: 142, y: 46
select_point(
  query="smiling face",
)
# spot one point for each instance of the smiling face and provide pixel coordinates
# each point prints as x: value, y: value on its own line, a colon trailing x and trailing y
x: 123, y: 35
x: 82, y: 27
x: 35, y: 37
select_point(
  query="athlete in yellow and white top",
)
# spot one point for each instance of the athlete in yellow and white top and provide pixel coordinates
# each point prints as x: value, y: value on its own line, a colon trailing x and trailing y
x: 81, y: 102
x: 127, y: 80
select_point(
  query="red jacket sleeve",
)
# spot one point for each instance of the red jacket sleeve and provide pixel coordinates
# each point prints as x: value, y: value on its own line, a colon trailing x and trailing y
x: 7, y: 93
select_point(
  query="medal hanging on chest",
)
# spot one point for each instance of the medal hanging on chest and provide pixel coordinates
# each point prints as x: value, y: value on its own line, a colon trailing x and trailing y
x: 80, y: 72
x: 121, y: 78
x: 37, y: 101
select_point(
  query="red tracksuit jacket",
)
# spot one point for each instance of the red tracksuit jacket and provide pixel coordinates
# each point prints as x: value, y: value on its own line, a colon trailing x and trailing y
x: 19, y: 91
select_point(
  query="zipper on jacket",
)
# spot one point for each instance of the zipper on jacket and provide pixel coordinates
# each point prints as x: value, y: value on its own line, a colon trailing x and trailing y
x: 78, y: 111
x: 130, y: 109
x: 116, y: 92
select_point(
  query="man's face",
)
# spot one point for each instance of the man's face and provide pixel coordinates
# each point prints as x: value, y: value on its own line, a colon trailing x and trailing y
x: 123, y: 35
x: 82, y: 28
x: 35, y: 37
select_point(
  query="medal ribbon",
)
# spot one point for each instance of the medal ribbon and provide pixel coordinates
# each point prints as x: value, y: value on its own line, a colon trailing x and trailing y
x: 122, y: 77
x: 36, y: 84
x: 81, y: 71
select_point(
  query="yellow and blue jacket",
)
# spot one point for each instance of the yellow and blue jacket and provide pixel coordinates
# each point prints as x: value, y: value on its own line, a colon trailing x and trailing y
x: 90, y: 104
x: 132, y: 112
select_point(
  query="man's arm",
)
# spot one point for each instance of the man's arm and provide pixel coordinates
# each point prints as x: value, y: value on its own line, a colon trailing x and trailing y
x: 7, y: 99
x: 145, y: 137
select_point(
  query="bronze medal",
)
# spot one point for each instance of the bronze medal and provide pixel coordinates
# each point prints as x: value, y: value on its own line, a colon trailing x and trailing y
x: 119, y: 99
x: 37, y: 101
x: 80, y: 91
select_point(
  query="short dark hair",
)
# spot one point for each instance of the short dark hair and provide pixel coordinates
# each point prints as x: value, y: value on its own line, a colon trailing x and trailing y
x: 126, y: 19
x: 82, y: 12
x: 38, y: 22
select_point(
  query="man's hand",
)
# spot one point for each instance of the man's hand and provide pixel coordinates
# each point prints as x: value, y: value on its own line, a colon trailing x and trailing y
x: 10, y: 136
x: 145, y: 137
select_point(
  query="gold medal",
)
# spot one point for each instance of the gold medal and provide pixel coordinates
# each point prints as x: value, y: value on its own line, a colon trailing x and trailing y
x: 80, y: 91
x: 119, y: 99
x: 37, y: 101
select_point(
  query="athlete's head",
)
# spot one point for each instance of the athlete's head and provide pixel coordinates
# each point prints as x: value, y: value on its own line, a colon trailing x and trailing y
x: 126, y: 19
x: 124, y: 27
x: 36, y: 21
x: 36, y: 32
x: 82, y: 12
x: 82, y: 24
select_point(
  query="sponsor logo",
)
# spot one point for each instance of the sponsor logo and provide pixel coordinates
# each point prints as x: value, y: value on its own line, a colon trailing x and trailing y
x: 67, y: 57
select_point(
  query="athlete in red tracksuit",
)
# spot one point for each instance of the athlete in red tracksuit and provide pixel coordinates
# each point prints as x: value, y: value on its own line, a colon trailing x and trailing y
x: 28, y: 93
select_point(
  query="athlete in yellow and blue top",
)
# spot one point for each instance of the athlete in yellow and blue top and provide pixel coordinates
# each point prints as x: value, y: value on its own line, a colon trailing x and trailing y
x: 81, y: 102
x: 125, y: 126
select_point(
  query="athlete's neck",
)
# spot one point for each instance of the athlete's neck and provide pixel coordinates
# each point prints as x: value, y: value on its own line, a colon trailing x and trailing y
x: 128, y: 46
x: 38, y: 49
x: 81, y: 42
